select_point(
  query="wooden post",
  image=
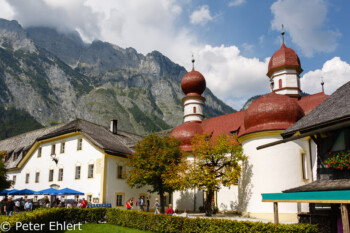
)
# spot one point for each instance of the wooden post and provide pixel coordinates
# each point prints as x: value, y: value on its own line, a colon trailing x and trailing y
x: 275, y: 211
x: 345, y: 218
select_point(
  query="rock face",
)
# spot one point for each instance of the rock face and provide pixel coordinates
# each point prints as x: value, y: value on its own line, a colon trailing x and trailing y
x: 56, y: 77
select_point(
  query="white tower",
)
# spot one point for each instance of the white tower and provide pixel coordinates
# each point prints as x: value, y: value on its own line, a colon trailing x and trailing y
x: 284, y: 70
x: 193, y: 85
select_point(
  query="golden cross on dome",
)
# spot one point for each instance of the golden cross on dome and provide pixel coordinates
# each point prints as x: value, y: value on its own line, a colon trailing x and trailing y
x: 282, y: 34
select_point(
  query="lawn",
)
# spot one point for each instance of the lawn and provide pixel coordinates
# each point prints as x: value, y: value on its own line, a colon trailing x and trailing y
x: 105, y: 228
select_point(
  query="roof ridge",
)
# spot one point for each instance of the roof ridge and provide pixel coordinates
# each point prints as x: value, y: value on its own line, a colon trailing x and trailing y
x: 32, y: 131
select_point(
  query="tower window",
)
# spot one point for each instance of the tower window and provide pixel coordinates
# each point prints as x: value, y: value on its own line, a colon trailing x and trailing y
x: 194, y: 110
x: 280, y: 83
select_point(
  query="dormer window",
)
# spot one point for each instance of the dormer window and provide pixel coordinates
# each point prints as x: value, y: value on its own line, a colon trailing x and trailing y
x: 234, y: 132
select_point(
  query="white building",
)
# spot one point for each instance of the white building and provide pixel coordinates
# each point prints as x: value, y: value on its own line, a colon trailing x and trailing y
x: 270, y: 170
x: 79, y: 155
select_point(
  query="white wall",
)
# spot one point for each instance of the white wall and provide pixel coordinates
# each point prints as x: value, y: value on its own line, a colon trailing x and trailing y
x: 273, y: 170
x: 68, y: 160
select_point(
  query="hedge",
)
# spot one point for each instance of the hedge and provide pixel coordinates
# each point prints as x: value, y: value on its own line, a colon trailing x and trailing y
x: 169, y: 224
x: 60, y: 215
x: 147, y: 221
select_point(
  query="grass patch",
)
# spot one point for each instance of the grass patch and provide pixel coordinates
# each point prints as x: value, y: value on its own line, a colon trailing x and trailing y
x: 105, y: 228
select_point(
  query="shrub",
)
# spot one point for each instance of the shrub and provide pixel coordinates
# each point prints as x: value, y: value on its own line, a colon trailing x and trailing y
x: 60, y: 215
x: 164, y: 223
x: 146, y: 221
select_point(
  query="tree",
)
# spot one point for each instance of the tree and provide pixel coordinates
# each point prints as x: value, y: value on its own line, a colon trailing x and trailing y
x: 4, y: 183
x: 153, y: 159
x: 213, y: 162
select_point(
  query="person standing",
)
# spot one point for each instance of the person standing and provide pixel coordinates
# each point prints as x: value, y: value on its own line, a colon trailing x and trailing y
x: 128, y: 205
x: 17, y: 206
x: 9, y: 207
x: 170, y: 211
x: 147, y: 203
x: 141, y: 204
x: 156, y: 207
x: 28, y: 206
x: 83, y: 203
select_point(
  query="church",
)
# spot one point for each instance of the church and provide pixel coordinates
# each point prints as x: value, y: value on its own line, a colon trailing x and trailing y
x: 270, y: 170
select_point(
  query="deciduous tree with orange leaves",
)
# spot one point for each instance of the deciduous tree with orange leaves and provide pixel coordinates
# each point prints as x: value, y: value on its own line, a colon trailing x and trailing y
x: 214, y: 162
x: 154, y: 158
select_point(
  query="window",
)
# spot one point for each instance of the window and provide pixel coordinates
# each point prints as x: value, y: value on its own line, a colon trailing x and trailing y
x: 119, y: 199
x: 15, y: 155
x: 27, y: 178
x: 60, y: 174
x: 77, y: 172
x: 37, y: 176
x: 14, y: 179
x: 80, y: 144
x: 89, y: 198
x: 194, y: 110
x: 63, y: 145
x: 120, y: 174
x: 39, y: 152
x: 304, y: 165
x: 233, y: 132
x: 50, y: 175
x: 91, y: 171
x: 53, y: 149
x: 280, y: 83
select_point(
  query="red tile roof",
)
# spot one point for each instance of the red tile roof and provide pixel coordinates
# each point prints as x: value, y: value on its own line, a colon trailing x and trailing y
x: 307, y: 103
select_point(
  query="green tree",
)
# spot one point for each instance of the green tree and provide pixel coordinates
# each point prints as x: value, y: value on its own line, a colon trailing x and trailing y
x: 4, y: 183
x: 213, y: 162
x: 154, y: 158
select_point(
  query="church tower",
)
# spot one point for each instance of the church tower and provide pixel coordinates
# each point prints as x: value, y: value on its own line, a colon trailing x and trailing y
x: 193, y: 85
x: 284, y: 70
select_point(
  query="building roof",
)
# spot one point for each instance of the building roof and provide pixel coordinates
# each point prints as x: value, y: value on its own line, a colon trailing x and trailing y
x: 235, y: 122
x: 334, y: 109
x: 322, y: 185
x: 193, y: 83
x: 121, y: 143
x: 272, y: 112
x: 284, y: 58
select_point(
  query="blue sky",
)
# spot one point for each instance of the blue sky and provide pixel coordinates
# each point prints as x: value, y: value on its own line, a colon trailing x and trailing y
x: 232, y: 40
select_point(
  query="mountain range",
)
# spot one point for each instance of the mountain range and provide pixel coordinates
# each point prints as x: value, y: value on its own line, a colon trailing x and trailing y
x: 55, y: 77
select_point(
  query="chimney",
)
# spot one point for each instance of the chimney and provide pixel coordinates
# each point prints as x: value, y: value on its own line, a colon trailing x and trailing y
x: 113, y: 127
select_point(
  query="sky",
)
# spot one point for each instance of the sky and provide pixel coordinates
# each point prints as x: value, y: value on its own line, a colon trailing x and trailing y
x: 231, y: 40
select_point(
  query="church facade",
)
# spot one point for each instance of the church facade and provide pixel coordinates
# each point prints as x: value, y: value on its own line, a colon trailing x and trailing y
x: 268, y: 170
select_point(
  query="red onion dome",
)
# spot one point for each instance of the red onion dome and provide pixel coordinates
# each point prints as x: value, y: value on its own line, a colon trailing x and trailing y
x: 193, y: 82
x: 185, y: 132
x: 282, y: 59
x: 270, y: 112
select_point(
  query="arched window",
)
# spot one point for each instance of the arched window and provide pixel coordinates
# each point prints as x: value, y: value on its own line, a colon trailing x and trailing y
x: 194, y: 110
x: 280, y: 83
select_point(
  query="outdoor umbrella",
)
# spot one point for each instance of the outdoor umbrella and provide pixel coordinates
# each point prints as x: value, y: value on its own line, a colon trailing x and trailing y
x: 49, y: 191
x: 21, y: 192
x: 6, y: 192
x: 68, y: 191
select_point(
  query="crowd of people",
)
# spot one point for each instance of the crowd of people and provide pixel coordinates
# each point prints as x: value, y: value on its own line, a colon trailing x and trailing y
x: 8, y: 206
x: 141, y: 203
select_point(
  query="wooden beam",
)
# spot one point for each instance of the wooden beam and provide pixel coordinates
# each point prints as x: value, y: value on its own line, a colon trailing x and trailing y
x: 275, y: 211
x: 345, y: 218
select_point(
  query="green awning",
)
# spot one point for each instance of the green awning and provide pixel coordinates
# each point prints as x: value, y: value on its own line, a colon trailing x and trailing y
x: 334, y: 196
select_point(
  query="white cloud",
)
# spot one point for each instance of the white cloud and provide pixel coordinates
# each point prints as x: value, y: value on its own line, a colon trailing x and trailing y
x: 305, y: 21
x: 334, y: 72
x: 236, y: 2
x: 248, y: 47
x: 201, y: 16
x: 62, y: 15
x: 6, y: 11
x: 232, y: 77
